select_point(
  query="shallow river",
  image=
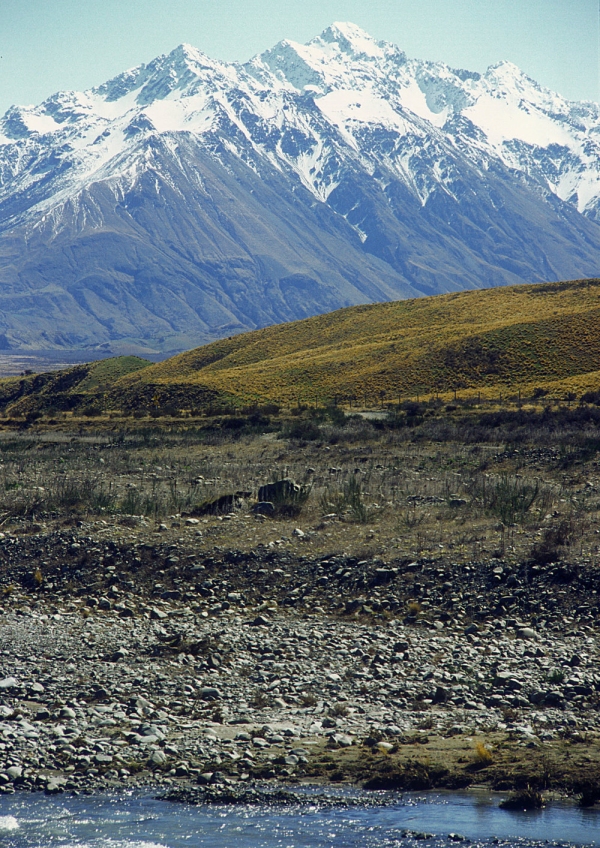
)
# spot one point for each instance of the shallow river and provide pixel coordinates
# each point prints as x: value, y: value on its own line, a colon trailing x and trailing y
x: 138, y: 821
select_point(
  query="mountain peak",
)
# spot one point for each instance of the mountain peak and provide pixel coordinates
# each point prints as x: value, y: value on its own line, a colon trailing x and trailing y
x: 350, y: 38
x: 505, y: 70
x: 190, y: 56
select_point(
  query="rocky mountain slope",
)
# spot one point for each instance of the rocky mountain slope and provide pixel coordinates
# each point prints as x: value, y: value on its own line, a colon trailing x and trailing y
x: 189, y: 199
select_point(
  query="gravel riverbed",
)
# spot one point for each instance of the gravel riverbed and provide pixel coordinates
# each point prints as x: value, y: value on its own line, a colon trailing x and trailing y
x: 149, y: 664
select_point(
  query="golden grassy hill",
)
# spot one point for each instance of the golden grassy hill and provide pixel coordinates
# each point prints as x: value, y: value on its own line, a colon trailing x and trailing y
x: 493, y: 340
x: 67, y: 388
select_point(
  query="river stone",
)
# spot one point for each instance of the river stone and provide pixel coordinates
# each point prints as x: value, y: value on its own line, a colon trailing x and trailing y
x: 210, y: 693
x: 68, y: 712
x: 344, y: 741
x: 263, y: 508
x: 554, y: 699
x: 9, y: 683
x: 157, y: 615
x: 53, y: 787
x: 14, y: 772
x: 119, y: 654
x: 157, y: 758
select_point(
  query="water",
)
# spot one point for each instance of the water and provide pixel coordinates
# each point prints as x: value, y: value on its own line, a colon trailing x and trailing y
x: 138, y: 821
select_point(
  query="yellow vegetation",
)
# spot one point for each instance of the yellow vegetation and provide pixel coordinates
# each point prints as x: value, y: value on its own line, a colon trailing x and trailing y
x: 488, y: 342
x: 483, y: 754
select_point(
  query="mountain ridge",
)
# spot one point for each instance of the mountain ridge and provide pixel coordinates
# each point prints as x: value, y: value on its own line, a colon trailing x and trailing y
x: 189, y: 198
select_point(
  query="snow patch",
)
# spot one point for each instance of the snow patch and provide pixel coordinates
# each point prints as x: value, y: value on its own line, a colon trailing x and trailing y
x: 39, y: 123
x: 502, y: 120
x: 413, y: 97
x: 343, y: 108
x: 365, y: 91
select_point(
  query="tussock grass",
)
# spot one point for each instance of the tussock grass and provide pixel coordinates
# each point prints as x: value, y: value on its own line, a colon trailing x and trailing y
x: 505, y: 339
x: 483, y: 755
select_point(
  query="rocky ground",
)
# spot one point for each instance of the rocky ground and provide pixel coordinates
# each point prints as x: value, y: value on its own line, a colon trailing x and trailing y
x: 427, y: 616
x: 156, y: 664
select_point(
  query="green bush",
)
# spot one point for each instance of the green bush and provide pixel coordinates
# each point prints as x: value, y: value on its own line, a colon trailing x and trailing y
x: 304, y: 430
x: 349, y: 499
x: 509, y: 498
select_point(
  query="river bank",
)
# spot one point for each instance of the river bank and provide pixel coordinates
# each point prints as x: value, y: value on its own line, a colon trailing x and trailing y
x: 168, y: 688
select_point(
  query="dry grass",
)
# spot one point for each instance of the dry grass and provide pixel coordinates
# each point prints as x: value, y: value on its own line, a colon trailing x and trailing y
x: 490, y: 341
x: 483, y: 755
x: 463, y: 485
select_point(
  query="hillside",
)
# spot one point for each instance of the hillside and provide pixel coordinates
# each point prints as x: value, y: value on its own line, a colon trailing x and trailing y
x: 493, y: 342
x: 507, y: 339
x: 67, y: 389
x: 191, y: 199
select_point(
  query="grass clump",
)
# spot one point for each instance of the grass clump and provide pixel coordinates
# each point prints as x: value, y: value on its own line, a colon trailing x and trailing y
x: 525, y: 799
x: 348, y: 501
x: 508, y: 498
x: 483, y: 755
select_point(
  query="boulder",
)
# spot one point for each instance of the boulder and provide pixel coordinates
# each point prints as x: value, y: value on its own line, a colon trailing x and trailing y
x: 278, y: 491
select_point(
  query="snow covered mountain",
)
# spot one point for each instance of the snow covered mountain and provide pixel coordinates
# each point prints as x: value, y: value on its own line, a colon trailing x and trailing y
x: 189, y: 198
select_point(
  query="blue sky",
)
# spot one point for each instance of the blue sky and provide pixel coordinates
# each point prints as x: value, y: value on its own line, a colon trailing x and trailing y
x: 48, y: 45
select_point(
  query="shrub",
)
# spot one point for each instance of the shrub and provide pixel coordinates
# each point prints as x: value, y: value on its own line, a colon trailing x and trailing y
x: 591, y: 397
x: 171, y: 410
x: 336, y: 415
x: 353, y: 498
x: 509, y: 498
x: 260, y: 699
x: 554, y: 541
x: 348, y: 499
x: 526, y: 799
x: 304, y: 430
x: 132, y: 503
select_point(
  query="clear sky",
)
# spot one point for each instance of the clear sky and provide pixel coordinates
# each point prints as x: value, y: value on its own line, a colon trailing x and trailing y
x: 49, y: 45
